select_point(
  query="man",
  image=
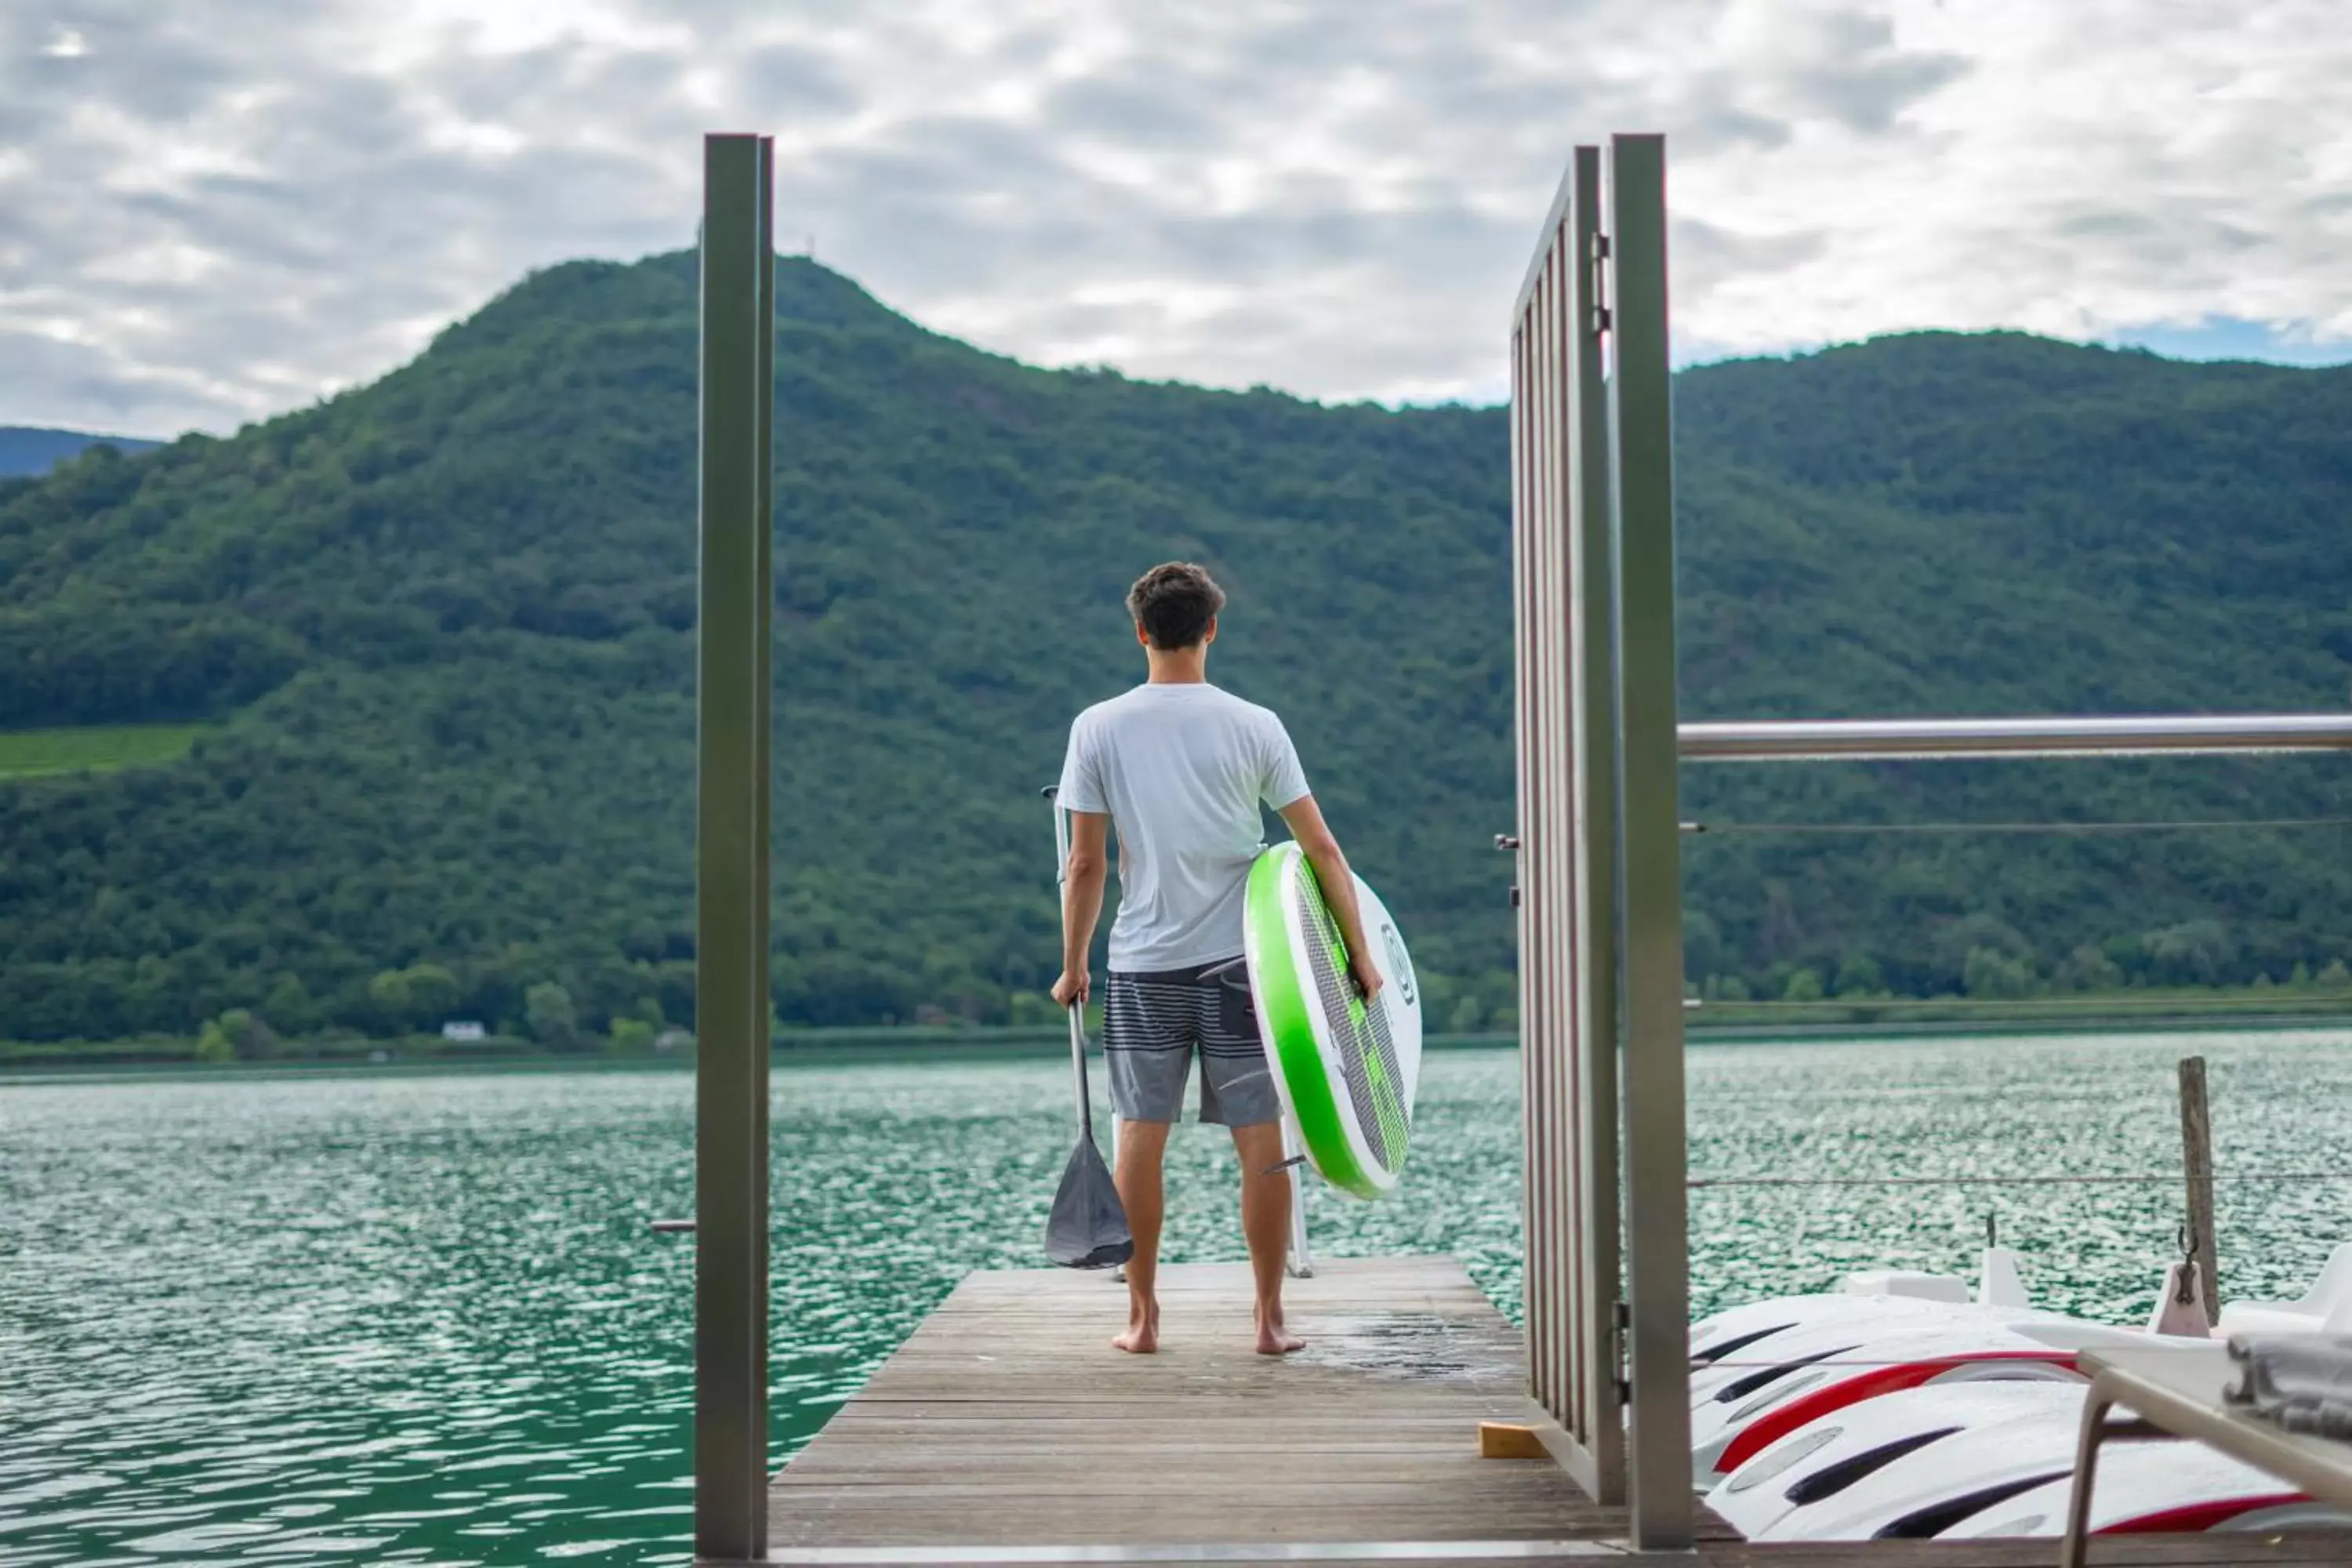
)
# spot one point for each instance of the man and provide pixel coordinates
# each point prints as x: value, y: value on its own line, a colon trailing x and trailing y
x: 1181, y: 768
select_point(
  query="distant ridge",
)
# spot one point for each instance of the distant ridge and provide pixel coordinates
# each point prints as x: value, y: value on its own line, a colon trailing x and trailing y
x: 27, y: 449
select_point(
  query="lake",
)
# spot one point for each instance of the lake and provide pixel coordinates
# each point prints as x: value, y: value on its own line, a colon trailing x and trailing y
x: 421, y: 1319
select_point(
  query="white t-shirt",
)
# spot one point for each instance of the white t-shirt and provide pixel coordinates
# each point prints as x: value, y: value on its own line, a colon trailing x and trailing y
x: 1181, y: 767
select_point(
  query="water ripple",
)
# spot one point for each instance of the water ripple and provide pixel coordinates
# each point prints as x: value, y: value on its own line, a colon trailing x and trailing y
x: 402, y: 1318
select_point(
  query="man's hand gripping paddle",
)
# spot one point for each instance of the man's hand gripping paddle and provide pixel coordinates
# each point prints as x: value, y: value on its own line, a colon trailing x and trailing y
x: 1088, y: 1228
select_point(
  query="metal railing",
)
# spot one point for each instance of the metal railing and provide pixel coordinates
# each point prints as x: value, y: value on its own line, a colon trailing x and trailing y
x: 2192, y: 1295
x: 1890, y: 740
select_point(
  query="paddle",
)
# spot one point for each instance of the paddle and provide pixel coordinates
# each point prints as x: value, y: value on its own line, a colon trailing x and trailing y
x: 1088, y: 1227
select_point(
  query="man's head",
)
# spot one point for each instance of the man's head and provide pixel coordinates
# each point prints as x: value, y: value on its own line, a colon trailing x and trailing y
x: 1175, y: 606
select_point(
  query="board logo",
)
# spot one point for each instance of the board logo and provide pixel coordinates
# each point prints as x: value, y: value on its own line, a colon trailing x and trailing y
x: 1400, y: 967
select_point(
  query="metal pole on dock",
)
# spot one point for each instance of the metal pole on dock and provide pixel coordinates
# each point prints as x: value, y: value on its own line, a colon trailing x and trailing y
x: 2197, y: 1162
x: 1592, y: 807
x: 730, y: 985
x: 1547, y: 1041
x: 1657, y: 1246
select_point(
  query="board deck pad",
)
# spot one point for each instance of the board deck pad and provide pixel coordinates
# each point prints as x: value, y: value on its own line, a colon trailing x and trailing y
x: 1346, y: 1071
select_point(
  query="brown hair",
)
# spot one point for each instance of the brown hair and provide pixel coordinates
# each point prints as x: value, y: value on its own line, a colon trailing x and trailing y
x: 1175, y: 603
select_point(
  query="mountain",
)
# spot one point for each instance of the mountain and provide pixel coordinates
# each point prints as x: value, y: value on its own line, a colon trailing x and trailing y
x: 443, y: 624
x: 26, y: 449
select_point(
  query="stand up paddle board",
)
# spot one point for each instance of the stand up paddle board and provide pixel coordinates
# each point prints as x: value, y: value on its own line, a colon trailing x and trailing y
x: 1346, y: 1071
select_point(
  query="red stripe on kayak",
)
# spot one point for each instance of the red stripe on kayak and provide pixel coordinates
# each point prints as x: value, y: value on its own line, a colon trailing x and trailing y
x: 1774, y: 1424
x: 2196, y: 1516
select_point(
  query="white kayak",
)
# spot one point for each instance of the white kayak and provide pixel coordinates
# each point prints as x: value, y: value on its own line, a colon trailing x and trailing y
x: 2158, y: 1487
x: 1808, y: 1475
x: 1899, y: 1407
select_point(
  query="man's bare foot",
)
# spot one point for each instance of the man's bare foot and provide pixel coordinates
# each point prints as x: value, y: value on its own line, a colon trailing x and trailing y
x: 1273, y: 1339
x: 1142, y: 1336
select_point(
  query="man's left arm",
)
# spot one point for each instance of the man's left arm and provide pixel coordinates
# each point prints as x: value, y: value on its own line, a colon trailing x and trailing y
x: 1082, y: 900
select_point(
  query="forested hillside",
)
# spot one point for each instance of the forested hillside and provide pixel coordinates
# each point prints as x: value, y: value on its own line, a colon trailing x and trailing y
x: 443, y: 628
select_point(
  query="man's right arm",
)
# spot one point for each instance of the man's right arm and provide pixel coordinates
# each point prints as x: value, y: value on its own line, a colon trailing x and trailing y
x: 1305, y: 820
x: 1080, y: 793
x: 1082, y: 900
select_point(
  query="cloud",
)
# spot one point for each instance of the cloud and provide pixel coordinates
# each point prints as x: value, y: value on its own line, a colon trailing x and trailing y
x: 217, y: 209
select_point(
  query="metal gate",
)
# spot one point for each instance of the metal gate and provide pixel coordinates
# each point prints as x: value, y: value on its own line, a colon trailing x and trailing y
x: 1599, y: 891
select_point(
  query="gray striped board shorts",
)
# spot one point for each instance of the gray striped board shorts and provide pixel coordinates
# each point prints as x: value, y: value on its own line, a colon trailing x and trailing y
x: 1154, y: 1024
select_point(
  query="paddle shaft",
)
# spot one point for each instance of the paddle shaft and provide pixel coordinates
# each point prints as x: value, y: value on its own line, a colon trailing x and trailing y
x: 1077, y: 1021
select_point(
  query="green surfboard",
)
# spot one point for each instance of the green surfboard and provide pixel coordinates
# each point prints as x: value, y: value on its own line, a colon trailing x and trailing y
x: 1347, y: 1070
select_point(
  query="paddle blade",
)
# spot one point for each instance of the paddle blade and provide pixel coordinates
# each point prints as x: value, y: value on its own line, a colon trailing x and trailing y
x: 1088, y: 1228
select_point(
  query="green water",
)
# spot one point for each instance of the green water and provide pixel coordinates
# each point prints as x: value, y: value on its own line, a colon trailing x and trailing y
x: 421, y: 1319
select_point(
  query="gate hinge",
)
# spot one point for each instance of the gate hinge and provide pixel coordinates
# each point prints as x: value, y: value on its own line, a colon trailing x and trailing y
x: 1599, y: 284
x: 1621, y: 1353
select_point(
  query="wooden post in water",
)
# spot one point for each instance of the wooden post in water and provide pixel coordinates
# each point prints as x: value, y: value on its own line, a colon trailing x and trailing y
x: 2197, y: 1163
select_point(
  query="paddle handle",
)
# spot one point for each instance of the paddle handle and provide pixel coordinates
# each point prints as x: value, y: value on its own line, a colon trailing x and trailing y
x: 1078, y: 1067
x: 1078, y: 1020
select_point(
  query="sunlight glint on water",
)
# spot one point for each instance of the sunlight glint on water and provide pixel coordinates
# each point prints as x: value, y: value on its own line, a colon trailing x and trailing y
x: 421, y: 1319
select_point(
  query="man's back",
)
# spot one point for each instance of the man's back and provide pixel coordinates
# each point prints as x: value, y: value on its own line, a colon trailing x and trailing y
x: 1181, y: 768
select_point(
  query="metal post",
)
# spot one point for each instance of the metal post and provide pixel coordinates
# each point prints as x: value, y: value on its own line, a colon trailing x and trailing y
x: 1523, y: 897
x: 763, y: 707
x: 731, y: 999
x: 1543, y: 979
x: 1301, y: 1262
x: 1118, y: 1274
x: 1542, y: 840
x: 1592, y: 665
x: 2197, y: 1162
x: 1658, y: 1245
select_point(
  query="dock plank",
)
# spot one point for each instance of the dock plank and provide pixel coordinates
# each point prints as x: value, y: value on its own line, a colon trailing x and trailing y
x: 1006, y: 1427
x: 1007, y: 1417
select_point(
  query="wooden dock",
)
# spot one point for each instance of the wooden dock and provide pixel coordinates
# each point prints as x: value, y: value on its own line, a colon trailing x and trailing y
x: 1006, y: 1430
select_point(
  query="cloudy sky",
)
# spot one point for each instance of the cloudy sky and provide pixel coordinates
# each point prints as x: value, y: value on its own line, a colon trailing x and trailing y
x: 213, y: 210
